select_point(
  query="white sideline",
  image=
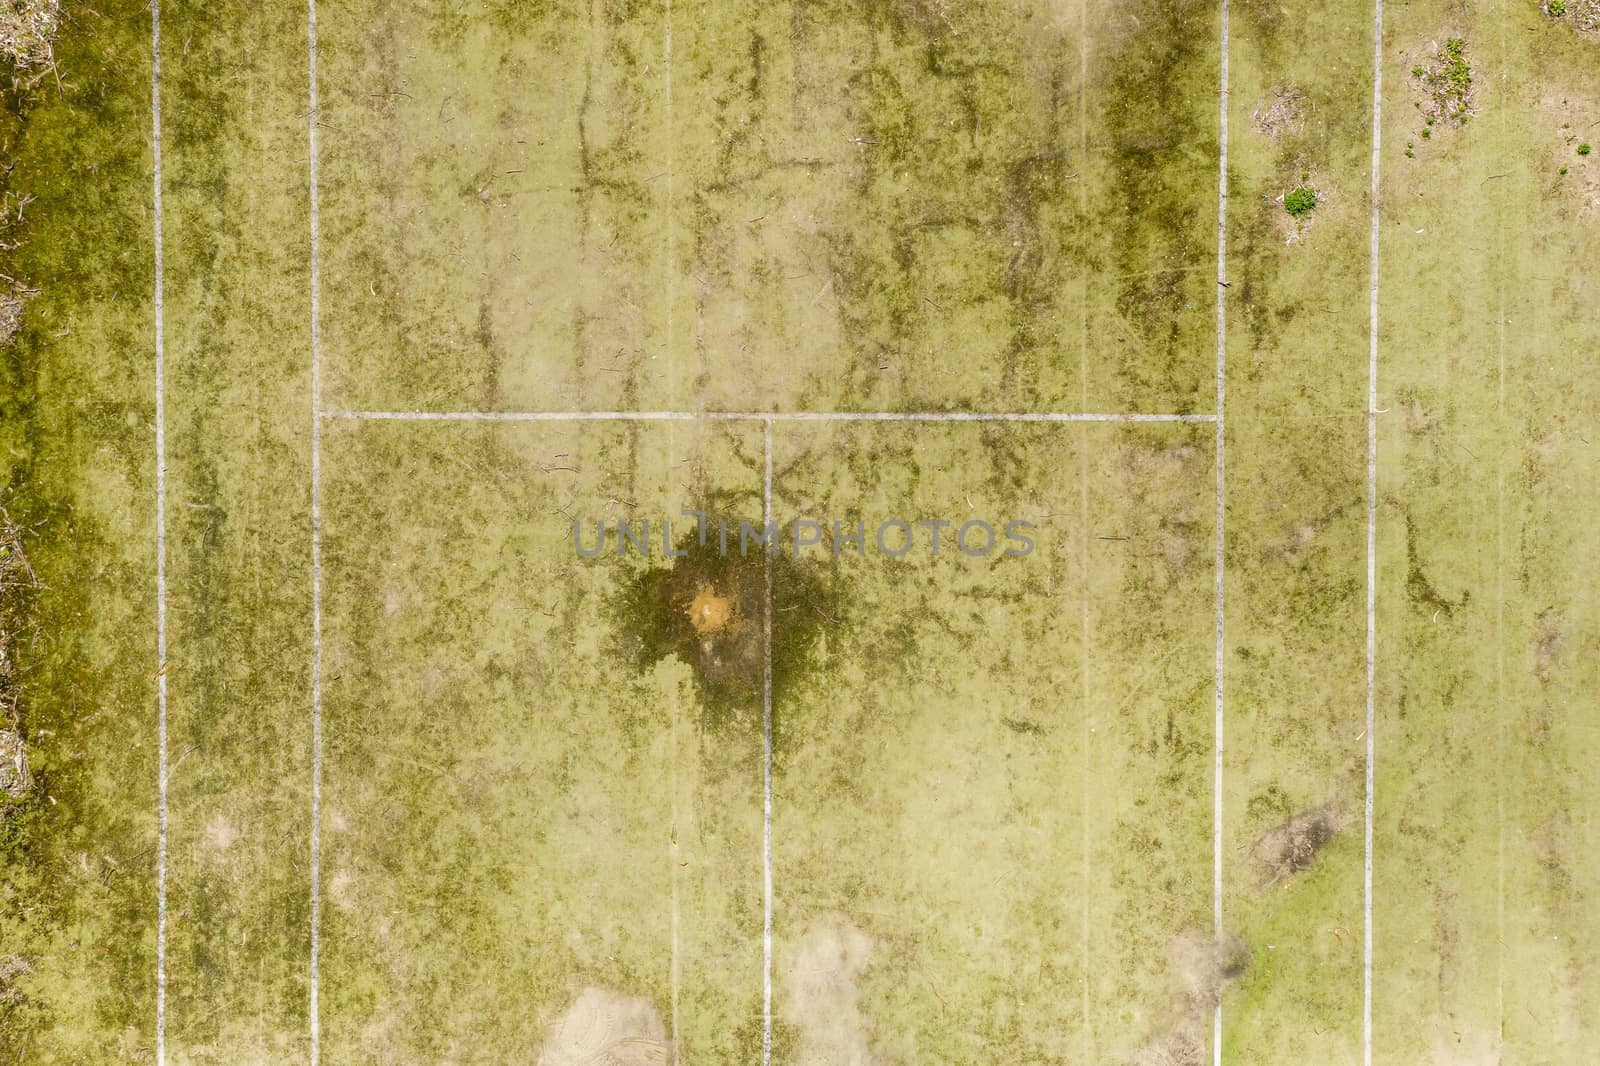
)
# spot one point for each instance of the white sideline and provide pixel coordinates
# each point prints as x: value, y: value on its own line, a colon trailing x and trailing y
x: 161, y: 550
x: 1372, y: 540
x: 766, y: 760
x: 754, y: 416
x: 1222, y: 377
x: 316, y: 536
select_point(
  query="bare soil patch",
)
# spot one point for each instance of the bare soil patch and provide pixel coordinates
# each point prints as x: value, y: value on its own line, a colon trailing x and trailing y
x: 12, y: 969
x: 27, y: 38
x: 14, y: 777
x: 1574, y: 121
x: 821, y: 997
x: 17, y: 584
x: 1282, y: 113
x: 710, y: 612
x: 1581, y: 15
x: 707, y: 608
x: 1199, y: 968
x: 606, y: 1028
x: 1443, y: 87
x: 1299, y: 178
x: 1292, y: 846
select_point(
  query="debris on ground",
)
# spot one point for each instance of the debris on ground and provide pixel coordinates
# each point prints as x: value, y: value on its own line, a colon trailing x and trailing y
x: 1292, y: 846
x: 10, y: 317
x: 28, y: 37
x: 1200, y: 967
x: 1444, y: 79
x: 17, y: 581
x: 12, y: 967
x: 1281, y: 114
x: 1584, y: 15
x: 14, y: 777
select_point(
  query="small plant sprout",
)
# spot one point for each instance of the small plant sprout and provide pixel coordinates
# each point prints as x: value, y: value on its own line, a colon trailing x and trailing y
x: 1583, y: 149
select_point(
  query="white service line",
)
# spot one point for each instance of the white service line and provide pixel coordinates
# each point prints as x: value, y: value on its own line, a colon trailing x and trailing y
x: 316, y: 537
x: 161, y: 550
x: 754, y: 416
x: 1222, y: 499
x: 1372, y: 539
x: 766, y: 764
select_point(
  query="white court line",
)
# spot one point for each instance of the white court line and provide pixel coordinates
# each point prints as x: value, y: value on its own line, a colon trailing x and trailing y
x: 754, y: 416
x: 1221, y: 406
x: 161, y: 549
x: 669, y: 273
x: 316, y: 536
x: 1085, y: 693
x: 1372, y: 538
x: 766, y: 768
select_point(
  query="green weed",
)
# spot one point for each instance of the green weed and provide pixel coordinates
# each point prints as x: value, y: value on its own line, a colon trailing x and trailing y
x: 1300, y: 202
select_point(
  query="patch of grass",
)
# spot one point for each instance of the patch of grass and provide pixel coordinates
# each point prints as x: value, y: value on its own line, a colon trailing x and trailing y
x: 1301, y: 201
x: 1583, y: 149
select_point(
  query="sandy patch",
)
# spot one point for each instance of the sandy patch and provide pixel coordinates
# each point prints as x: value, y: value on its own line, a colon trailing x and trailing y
x: 709, y: 611
x: 605, y: 1028
x: 220, y: 833
x: 822, y: 998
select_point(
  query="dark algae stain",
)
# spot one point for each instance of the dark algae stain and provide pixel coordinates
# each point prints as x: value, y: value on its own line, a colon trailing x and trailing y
x: 708, y: 608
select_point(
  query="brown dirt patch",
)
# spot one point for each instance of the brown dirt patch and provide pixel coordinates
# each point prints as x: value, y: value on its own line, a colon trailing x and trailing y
x: 606, y: 1028
x: 1292, y: 846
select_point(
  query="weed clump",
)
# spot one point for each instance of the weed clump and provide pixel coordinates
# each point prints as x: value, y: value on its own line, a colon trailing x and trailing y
x: 1300, y: 202
x: 1583, y: 14
x: 1445, y: 81
x: 1583, y: 149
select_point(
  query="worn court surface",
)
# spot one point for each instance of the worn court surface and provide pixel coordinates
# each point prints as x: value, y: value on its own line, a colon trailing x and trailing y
x: 994, y: 820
